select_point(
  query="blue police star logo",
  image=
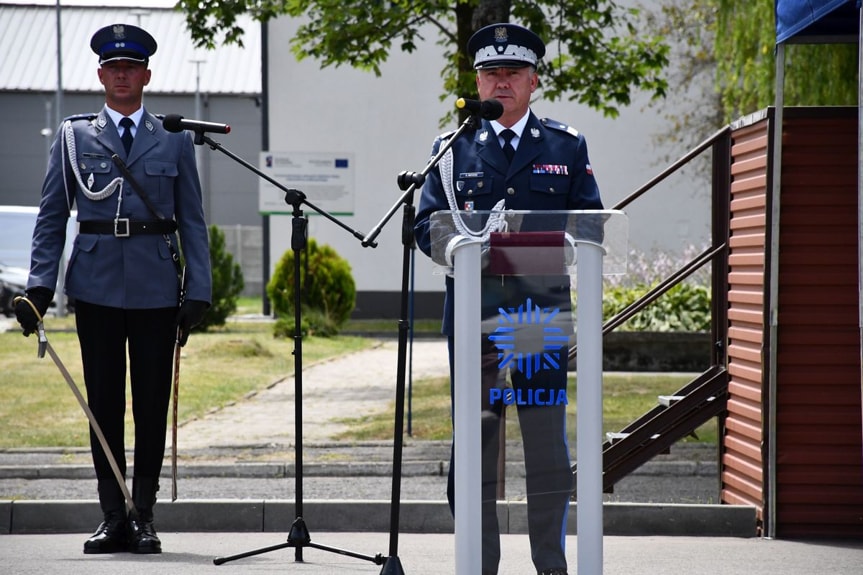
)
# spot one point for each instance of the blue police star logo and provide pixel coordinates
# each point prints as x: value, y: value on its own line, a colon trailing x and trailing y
x: 528, y: 340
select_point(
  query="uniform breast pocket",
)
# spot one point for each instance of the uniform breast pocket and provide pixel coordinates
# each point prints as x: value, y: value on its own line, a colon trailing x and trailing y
x: 552, y: 189
x: 95, y: 171
x: 163, y: 172
x: 474, y: 193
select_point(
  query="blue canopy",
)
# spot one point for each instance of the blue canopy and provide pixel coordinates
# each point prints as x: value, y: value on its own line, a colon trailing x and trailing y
x: 810, y: 20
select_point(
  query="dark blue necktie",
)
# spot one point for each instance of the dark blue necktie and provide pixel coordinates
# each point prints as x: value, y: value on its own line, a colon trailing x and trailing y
x: 126, y: 136
x: 507, y: 136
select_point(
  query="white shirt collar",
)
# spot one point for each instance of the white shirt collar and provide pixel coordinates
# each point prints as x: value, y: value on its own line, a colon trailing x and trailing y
x: 518, y: 128
x: 117, y: 116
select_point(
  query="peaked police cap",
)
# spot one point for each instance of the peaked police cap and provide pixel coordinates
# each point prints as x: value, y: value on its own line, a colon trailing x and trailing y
x: 505, y: 46
x: 122, y: 42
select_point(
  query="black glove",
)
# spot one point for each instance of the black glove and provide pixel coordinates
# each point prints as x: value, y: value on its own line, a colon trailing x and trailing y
x: 191, y: 313
x: 41, y: 298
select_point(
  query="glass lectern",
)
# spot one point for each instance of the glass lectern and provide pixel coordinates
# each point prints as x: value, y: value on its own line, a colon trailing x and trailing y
x: 528, y: 285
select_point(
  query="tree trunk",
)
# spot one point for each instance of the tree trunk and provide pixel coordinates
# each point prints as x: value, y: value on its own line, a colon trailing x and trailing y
x: 469, y: 19
x: 490, y: 12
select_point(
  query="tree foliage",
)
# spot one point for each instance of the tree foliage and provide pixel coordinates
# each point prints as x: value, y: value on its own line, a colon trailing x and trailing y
x: 596, y: 54
x: 724, y: 65
x: 815, y: 75
x: 692, y: 107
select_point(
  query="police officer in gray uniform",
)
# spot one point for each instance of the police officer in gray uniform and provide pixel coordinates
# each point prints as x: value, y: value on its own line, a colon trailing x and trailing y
x: 124, y: 273
x: 518, y: 162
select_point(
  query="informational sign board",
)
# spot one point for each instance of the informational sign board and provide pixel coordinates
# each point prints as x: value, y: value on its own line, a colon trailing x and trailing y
x: 327, y: 179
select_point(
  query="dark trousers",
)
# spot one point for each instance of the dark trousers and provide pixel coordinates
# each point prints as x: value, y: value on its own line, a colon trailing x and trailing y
x: 546, y: 457
x: 104, y: 333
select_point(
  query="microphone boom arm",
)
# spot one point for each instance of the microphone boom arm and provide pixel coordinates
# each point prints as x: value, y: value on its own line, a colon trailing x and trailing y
x: 292, y: 196
x: 469, y: 123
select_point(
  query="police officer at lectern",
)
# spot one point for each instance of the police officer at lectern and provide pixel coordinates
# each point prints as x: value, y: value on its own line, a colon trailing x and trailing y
x: 529, y: 164
x: 124, y: 273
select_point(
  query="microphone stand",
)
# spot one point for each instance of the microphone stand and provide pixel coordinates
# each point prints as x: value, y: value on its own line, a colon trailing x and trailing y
x: 408, y: 182
x: 298, y: 537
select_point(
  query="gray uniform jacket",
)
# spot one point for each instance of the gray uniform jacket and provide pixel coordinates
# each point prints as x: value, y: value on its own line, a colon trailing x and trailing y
x: 135, y: 272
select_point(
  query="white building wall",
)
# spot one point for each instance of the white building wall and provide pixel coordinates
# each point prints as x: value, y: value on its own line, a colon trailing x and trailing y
x: 388, y: 123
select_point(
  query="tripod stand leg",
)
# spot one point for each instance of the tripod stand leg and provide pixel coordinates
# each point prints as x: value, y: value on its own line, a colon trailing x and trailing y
x: 221, y: 560
x: 299, y: 537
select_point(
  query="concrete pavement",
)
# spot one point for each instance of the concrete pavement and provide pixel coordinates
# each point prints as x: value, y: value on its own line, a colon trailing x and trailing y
x: 427, y: 554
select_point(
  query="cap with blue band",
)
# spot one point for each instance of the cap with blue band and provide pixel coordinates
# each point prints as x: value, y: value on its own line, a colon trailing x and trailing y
x: 122, y: 42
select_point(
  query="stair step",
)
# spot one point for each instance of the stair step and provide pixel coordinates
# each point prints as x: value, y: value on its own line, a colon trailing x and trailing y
x: 615, y: 436
x: 669, y: 400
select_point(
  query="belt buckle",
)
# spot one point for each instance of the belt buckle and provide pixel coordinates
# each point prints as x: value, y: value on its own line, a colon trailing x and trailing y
x: 121, y: 231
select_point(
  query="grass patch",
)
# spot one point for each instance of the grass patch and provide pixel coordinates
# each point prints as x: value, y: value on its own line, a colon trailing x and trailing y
x: 216, y: 369
x: 625, y: 398
x: 390, y: 327
x: 225, y: 365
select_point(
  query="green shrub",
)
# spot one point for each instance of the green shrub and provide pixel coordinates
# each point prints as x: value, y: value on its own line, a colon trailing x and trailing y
x: 685, y: 307
x: 327, y: 287
x: 227, y: 282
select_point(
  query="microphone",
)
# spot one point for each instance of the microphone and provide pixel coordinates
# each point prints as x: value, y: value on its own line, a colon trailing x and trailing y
x: 176, y: 123
x: 486, y: 109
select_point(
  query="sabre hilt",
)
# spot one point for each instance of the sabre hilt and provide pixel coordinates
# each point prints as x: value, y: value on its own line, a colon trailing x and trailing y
x: 40, y: 327
x: 43, y: 340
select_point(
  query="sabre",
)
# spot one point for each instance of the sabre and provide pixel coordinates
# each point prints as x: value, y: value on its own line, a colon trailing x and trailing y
x: 174, y: 418
x: 176, y: 394
x: 45, y: 345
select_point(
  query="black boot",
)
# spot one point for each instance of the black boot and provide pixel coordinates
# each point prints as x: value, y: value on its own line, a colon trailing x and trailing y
x: 110, y: 536
x: 142, y: 534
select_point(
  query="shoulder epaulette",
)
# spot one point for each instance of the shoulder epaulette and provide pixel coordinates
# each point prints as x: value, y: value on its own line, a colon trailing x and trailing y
x: 555, y: 125
x: 88, y: 117
x: 447, y: 135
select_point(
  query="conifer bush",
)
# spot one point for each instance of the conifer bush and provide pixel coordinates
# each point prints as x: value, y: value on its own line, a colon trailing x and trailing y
x: 327, y: 288
x: 227, y: 282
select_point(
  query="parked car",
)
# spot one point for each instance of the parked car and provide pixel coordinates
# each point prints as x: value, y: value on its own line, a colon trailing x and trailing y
x: 16, y: 236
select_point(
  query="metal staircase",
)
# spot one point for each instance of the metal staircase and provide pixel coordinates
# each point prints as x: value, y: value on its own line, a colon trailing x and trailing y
x: 673, y: 418
x: 679, y: 414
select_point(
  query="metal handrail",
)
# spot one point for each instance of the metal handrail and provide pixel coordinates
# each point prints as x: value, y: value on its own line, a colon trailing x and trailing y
x: 673, y: 167
x: 656, y: 430
x: 632, y: 309
x: 684, y: 272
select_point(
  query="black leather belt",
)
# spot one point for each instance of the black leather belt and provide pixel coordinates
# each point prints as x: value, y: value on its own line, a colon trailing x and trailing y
x: 124, y: 227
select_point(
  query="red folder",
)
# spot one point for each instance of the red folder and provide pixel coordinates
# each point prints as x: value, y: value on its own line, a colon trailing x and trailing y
x: 526, y: 253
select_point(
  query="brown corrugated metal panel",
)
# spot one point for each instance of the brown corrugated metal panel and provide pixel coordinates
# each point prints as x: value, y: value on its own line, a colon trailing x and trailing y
x: 819, y: 455
x: 742, y: 473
